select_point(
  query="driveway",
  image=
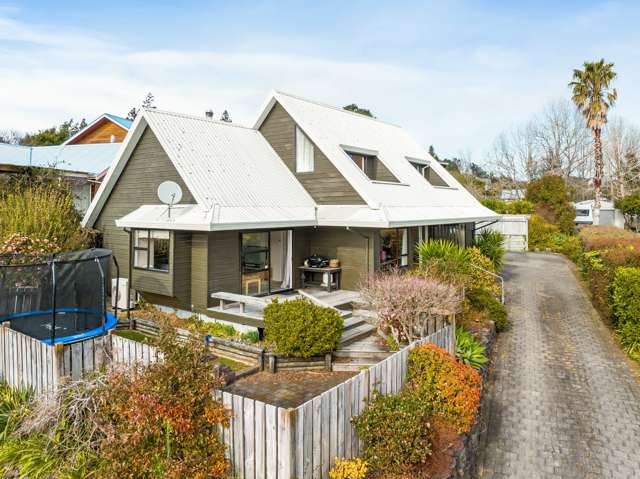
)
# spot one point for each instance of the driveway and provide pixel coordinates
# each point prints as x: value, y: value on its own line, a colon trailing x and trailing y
x: 562, y: 399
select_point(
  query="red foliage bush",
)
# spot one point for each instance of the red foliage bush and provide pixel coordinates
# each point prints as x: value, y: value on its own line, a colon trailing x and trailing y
x: 604, y: 237
x: 451, y: 388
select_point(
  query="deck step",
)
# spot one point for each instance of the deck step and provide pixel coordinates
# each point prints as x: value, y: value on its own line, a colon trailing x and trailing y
x: 350, y: 367
x: 354, y: 334
x: 351, y: 322
x: 348, y: 354
x: 345, y: 314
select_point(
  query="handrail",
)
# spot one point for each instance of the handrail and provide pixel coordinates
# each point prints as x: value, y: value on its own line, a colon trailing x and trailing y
x: 496, y: 276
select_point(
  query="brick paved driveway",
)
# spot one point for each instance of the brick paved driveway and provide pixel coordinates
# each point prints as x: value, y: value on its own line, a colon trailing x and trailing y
x: 563, y: 402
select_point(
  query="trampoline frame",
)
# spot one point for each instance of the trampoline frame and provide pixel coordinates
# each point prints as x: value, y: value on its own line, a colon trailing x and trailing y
x: 109, y: 320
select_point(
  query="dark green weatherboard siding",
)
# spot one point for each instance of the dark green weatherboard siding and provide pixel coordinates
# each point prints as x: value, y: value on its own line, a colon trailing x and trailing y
x: 325, y: 184
x: 137, y: 185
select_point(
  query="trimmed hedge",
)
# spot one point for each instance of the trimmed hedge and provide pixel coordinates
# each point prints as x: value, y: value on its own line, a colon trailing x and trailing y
x: 301, y: 328
x: 626, y: 295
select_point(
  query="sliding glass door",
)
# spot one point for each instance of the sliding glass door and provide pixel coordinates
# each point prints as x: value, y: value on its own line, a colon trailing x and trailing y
x: 266, y: 262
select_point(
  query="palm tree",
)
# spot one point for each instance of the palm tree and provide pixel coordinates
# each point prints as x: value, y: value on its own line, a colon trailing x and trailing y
x: 593, y: 95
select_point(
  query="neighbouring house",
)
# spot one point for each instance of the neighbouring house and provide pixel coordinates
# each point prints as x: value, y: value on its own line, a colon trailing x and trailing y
x: 107, y: 128
x: 306, y: 179
x: 513, y: 194
x: 82, y: 160
x: 609, y: 214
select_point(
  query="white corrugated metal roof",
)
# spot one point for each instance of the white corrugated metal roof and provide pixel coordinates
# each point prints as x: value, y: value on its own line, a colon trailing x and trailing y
x: 90, y: 158
x: 335, y: 130
x: 231, y: 171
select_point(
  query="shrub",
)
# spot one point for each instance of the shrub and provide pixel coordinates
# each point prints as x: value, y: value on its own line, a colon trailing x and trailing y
x: 485, y: 302
x: 455, y: 264
x: 451, y: 389
x: 59, y: 436
x: 552, y: 198
x: 349, y: 469
x: 302, y: 329
x: 630, y: 207
x: 406, y: 304
x: 14, y: 404
x: 629, y: 335
x: 163, y: 420
x: 468, y: 350
x: 541, y: 233
x: 568, y: 245
x: 42, y: 211
x: 517, y: 207
x: 491, y: 244
x: 396, y: 432
x: 251, y: 337
x: 605, y: 237
x: 626, y: 295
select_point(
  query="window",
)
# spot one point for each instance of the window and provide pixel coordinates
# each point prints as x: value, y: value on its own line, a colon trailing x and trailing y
x: 394, y: 248
x: 304, y: 153
x: 428, y: 174
x: 151, y: 249
x: 582, y: 212
x: 454, y: 233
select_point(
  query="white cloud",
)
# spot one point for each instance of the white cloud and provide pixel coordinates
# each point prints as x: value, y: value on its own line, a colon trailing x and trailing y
x: 47, y: 76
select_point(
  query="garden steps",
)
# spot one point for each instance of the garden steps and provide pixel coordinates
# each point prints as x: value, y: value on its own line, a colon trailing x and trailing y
x: 356, y: 333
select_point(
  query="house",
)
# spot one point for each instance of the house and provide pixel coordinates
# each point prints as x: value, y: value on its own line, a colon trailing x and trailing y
x: 609, y: 214
x: 305, y: 179
x: 82, y: 160
x: 513, y: 194
x: 107, y: 128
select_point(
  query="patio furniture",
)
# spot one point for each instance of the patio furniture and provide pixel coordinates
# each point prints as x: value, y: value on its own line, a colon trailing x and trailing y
x: 330, y: 277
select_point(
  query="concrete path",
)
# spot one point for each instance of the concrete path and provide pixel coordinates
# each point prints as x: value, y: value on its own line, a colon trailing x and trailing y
x: 562, y: 399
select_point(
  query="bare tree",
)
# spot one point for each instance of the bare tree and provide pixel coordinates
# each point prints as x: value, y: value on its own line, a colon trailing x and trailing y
x: 11, y: 137
x: 621, y: 148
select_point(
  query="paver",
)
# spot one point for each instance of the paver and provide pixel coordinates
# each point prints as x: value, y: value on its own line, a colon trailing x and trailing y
x: 562, y: 398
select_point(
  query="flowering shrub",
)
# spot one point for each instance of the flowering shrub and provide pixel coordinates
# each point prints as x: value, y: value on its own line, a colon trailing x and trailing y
x: 451, y: 389
x: 349, y: 469
x: 17, y: 248
x: 405, y: 304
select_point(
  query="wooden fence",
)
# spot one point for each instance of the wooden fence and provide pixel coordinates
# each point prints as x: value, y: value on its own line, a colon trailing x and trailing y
x: 263, y: 441
x: 270, y: 442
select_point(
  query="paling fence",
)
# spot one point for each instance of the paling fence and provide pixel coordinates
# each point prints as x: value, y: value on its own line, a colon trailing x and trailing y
x: 266, y: 441
x: 263, y: 441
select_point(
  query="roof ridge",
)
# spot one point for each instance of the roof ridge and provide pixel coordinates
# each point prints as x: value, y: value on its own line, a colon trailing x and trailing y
x: 326, y: 105
x: 196, y: 117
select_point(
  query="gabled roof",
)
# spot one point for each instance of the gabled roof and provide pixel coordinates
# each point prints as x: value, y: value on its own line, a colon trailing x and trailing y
x: 123, y: 123
x: 236, y: 178
x: 90, y: 159
x: 411, y: 201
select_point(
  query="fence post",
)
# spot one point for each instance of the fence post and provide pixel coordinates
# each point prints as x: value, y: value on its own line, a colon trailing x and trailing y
x: 58, y: 364
x: 287, y: 443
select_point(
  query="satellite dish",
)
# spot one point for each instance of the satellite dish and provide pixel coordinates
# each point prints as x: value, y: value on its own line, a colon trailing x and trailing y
x: 170, y: 193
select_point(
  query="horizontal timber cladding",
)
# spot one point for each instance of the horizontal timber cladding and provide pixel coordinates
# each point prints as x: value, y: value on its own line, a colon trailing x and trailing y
x: 224, y: 262
x: 102, y: 134
x: 182, y: 267
x: 354, y: 248
x: 199, y: 270
x: 325, y: 184
x: 138, y: 184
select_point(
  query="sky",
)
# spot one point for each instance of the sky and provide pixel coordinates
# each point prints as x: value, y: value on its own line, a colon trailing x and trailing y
x: 455, y: 74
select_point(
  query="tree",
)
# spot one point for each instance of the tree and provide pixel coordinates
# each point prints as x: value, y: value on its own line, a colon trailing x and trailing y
x: 593, y: 96
x: 552, y: 198
x: 225, y: 117
x: 10, y: 137
x: 147, y: 104
x: 54, y: 135
x: 621, y: 150
x: 432, y: 152
x: 356, y: 109
x: 630, y: 207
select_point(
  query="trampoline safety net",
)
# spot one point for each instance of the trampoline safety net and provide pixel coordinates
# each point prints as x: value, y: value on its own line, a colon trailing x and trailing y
x: 61, y: 298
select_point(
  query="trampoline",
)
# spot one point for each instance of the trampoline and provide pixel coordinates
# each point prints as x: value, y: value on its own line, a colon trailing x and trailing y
x: 58, y: 298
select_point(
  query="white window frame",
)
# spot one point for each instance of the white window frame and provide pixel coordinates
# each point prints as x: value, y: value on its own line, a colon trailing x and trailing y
x: 143, y: 248
x: 304, y: 153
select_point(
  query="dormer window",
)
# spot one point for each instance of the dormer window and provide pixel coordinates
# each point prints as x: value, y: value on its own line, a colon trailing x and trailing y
x: 368, y: 162
x: 429, y: 174
x: 304, y: 152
